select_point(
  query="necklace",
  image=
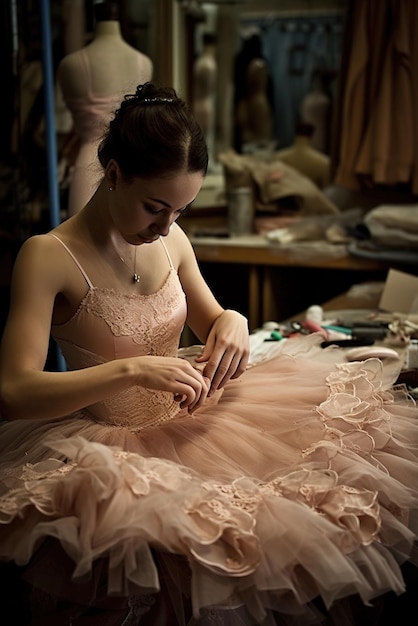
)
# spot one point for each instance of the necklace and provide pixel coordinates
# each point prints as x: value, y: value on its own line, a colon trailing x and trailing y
x: 136, y: 277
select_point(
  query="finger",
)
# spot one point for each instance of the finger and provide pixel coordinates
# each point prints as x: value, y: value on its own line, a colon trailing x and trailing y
x: 242, y: 366
x: 236, y: 368
x: 220, y: 357
x: 213, y: 363
x: 201, y: 358
x: 221, y: 375
x: 201, y: 398
x: 201, y: 394
x: 191, y: 389
x: 227, y: 369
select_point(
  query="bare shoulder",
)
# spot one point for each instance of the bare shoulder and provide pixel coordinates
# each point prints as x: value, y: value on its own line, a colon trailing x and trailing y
x: 179, y: 245
x: 40, y: 256
x: 178, y: 233
x: 38, y: 245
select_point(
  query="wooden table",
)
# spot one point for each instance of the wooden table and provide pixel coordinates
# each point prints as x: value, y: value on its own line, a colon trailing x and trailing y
x: 263, y: 258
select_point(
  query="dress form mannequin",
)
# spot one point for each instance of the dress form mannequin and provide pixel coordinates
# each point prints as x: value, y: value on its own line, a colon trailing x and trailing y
x: 204, y: 100
x: 315, y: 110
x: 254, y: 114
x: 93, y: 80
x: 253, y: 96
x: 307, y: 160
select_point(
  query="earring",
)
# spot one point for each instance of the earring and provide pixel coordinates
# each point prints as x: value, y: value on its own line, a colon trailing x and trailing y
x: 110, y: 188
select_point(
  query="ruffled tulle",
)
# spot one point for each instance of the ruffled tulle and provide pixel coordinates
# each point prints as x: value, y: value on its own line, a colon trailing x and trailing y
x: 298, y: 481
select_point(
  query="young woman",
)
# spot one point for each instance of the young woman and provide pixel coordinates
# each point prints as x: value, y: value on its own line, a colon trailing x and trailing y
x: 138, y: 487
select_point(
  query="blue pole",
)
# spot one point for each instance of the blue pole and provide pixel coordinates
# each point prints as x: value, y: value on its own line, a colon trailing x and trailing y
x: 49, y: 95
x: 51, y: 136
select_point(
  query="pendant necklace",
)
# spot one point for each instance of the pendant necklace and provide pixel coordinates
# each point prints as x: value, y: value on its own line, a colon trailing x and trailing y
x: 136, y: 277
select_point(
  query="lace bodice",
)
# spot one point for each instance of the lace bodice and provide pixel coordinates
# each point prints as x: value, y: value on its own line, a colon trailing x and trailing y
x: 109, y: 325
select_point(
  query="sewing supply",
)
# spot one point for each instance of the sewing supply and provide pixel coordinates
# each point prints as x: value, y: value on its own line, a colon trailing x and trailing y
x: 347, y: 343
x: 411, y: 355
x: 337, y: 329
x: 363, y: 324
x: 368, y: 332
x: 315, y: 313
x: 270, y: 325
x: 275, y: 335
x: 240, y: 211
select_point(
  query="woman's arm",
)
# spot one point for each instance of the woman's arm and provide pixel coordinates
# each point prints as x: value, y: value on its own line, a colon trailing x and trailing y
x: 27, y: 391
x: 224, y: 332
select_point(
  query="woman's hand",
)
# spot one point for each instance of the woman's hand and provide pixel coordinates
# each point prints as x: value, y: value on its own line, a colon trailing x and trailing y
x: 188, y: 386
x: 226, y: 350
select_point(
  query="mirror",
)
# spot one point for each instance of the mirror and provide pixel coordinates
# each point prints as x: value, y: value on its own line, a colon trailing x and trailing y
x: 276, y: 65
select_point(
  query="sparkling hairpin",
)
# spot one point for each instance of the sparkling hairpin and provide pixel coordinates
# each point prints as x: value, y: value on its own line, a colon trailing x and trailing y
x: 158, y: 100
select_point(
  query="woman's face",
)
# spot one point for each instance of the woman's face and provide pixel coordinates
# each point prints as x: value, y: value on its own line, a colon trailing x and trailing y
x: 143, y: 209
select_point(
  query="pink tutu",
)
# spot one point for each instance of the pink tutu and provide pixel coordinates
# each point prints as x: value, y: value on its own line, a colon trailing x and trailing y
x: 294, y: 487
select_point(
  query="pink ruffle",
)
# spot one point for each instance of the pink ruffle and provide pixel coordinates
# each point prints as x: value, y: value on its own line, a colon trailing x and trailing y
x: 103, y: 496
x: 318, y: 523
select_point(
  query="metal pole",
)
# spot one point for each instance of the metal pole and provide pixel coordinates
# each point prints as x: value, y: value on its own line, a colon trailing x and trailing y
x: 49, y: 95
x: 50, y: 130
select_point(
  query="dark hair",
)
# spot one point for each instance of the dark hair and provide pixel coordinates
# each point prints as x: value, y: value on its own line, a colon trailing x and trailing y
x: 154, y: 134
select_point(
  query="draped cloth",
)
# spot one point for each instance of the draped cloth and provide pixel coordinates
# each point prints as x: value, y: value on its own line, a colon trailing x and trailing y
x: 375, y: 129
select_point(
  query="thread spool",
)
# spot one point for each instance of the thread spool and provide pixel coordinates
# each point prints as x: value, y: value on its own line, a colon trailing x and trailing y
x: 315, y: 313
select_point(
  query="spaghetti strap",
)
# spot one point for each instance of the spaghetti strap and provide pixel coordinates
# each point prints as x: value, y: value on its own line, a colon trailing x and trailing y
x: 90, y: 284
x: 167, y: 253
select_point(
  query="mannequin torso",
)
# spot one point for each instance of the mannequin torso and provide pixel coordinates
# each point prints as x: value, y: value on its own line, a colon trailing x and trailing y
x: 204, y: 105
x: 93, y: 80
x: 316, y: 110
x: 307, y: 160
x: 253, y: 113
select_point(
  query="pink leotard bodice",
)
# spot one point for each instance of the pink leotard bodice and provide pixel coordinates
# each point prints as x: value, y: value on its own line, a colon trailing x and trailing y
x: 109, y: 325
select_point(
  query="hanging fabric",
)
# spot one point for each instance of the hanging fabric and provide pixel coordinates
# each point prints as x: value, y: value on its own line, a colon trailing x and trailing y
x: 376, y: 132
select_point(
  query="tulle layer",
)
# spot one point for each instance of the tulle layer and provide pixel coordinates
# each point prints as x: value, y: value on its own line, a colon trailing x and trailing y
x: 299, y: 480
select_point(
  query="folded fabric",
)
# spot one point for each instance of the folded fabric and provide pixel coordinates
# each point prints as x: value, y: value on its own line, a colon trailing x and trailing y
x: 395, y: 226
x: 276, y: 185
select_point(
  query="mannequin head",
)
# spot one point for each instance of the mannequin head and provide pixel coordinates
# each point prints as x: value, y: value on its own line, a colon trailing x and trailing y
x: 106, y: 11
x: 209, y: 40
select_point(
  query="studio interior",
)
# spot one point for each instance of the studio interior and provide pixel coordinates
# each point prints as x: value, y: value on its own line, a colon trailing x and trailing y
x: 266, y: 475
x: 308, y: 112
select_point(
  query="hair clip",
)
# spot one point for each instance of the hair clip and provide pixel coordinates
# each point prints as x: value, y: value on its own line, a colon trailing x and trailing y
x: 158, y: 100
